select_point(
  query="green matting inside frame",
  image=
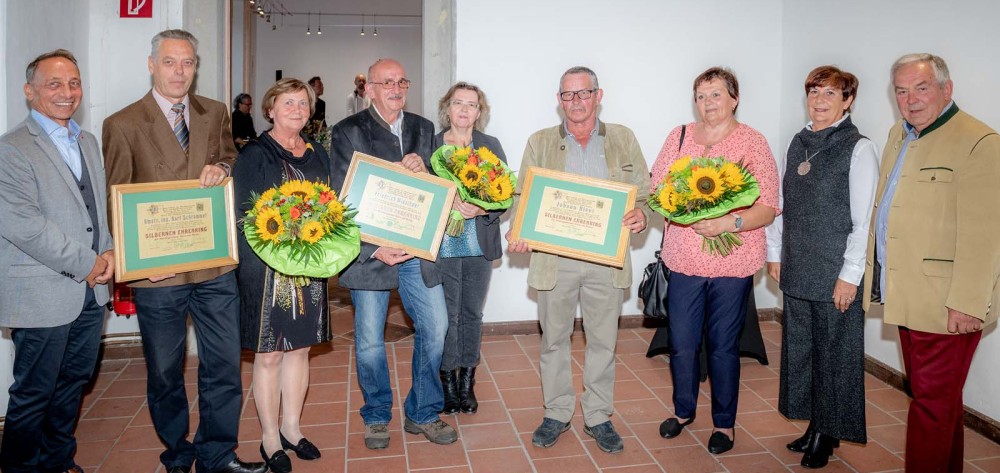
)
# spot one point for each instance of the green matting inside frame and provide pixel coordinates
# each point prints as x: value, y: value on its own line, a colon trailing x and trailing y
x: 130, y: 226
x: 426, y: 241
x: 618, y: 198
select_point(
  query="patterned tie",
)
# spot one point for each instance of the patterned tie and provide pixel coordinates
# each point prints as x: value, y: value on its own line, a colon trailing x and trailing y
x: 180, y: 128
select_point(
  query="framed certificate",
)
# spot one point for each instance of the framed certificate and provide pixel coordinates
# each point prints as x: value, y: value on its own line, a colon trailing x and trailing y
x: 397, y: 207
x: 574, y: 216
x: 172, y: 227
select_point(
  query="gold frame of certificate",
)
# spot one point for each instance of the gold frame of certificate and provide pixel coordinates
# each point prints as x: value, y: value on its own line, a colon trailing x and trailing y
x: 172, y: 227
x: 396, y: 207
x: 574, y: 216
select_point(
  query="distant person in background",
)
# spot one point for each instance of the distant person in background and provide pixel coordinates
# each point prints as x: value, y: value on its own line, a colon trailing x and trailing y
x: 243, y: 129
x: 319, y: 113
x: 356, y: 100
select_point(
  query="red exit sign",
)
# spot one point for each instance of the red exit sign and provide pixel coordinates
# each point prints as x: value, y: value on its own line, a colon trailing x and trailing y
x: 135, y: 9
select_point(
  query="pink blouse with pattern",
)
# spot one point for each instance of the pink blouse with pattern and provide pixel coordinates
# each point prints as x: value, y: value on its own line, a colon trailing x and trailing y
x: 682, y: 246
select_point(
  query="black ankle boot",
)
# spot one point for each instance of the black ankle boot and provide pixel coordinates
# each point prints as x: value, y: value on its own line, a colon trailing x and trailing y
x: 450, y: 386
x: 799, y: 445
x: 818, y: 452
x: 466, y: 393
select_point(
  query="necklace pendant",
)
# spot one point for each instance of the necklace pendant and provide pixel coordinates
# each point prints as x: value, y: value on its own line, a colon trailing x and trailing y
x: 804, y: 168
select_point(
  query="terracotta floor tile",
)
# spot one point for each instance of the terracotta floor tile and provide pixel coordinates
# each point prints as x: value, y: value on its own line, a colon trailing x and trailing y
x: 654, y: 378
x: 323, y: 413
x: 326, y: 436
x: 755, y: 370
x: 893, y: 437
x: 751, y: 402
x: 376, y: 465
x: 691, y: 459
x: 332, y: 461
x: 977, y: 446
x: 755, y: 463
x: 835, y: 466
x: 486, y: 391
x: 329, y: 358
x: 889, y: 399
x: 489, y: 412
x: 136, y: 461
x: 516, y: 379
x: 527, y: 420
x: 479, y: 437
x: 632, y: 390
x: 868, y: 458
x: 356, y: 447
x: 328, y: 374
x: 649, y: 435
x: 126, y: 388
x: 91, y: 454
x: 502, y: 363
x: 335, y: 392
x: 654, y: 468
x: 765, y: 424
x: 872, y: 383
x: 138, y: 438
x: 522, y: 398
x: 101, y: 429
x: 633, y: 454
x: 989, y: 465
x: 451, y: 469
x: 501, y: 348
x: 501, y: 460
x: 874, y: 416
x: 777, y: 447
x: 635, y: 346
x: 765, y: 388
x: 638, y: 361
x: 577, y: 464
x: 115, y: 407
x: 645, y: 410
x: 424, y: 454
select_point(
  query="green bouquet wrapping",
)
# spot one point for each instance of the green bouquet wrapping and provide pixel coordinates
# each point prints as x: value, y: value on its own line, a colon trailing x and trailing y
x: 302, y: 229
x: 482, y: 179
x: 702, y: 188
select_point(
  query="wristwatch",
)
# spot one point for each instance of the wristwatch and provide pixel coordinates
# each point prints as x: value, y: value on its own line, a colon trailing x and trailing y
x: 738, y: 222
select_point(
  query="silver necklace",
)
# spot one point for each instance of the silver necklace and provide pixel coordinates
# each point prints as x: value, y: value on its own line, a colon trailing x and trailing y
x: 804, y: 166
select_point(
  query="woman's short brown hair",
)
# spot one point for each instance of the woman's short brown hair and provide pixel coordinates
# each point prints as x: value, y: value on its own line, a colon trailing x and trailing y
x: 831, y: 76
x: 723, y: 74
x: 287, y: 85
x: 484, y: 105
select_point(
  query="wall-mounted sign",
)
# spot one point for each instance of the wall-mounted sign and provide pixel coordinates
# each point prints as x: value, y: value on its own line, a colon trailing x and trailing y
x: 135, y: 9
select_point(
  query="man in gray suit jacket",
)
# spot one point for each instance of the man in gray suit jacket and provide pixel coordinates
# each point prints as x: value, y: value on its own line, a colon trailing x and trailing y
x: 55, y: 260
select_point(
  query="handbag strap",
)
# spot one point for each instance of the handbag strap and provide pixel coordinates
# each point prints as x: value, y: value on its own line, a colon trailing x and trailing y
x: 679, y: 145
x: 683, y: 132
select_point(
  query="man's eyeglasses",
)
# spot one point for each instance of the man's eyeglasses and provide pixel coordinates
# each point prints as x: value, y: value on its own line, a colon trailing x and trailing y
x: 583, y: 94
x: 461, y: 104
x: 402, y: 83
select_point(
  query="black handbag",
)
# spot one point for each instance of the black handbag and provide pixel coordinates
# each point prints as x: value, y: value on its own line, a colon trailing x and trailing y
x: 653, y: 289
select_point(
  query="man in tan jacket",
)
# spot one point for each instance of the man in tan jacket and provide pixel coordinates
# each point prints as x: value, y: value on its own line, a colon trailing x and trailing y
x: 584, y: 145
x: 933, y: 253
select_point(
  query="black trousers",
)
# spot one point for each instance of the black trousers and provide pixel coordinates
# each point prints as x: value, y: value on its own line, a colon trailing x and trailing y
x: 214, y: 306
x: 52, y: 365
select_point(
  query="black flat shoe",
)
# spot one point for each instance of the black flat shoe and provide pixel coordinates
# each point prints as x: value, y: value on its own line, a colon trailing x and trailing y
x: 720, y: 443
x: 277, y: 462
x: 817, y: 453
x: 304, y: 449
x: 672, y: 427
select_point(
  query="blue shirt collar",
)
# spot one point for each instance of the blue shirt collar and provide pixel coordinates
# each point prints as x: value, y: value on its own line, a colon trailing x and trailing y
x: 50, y: 126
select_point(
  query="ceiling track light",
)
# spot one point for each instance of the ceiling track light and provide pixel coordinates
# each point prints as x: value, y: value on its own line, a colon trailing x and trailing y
x: 308, y: 23
x: 319, y: 23
x: 362, y: 24
x: 375, y: 25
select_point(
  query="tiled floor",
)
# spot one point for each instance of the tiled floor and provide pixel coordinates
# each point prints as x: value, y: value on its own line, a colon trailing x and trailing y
x: 117, y: 437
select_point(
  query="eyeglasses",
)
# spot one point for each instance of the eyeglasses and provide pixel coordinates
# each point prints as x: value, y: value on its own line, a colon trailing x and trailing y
x: 583, y: 94
x: 461, y: 104
x: 402, y: 83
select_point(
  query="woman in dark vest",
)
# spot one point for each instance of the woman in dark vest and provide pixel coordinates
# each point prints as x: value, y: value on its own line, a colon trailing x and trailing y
x: 816, y: 252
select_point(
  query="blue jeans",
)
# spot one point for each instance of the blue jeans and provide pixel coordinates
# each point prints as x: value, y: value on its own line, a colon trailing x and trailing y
x: 426, y: 306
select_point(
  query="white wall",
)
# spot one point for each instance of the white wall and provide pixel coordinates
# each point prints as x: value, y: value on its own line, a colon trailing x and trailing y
x: 337, y: 55
x: 646, y: 55
x: 865, y: 38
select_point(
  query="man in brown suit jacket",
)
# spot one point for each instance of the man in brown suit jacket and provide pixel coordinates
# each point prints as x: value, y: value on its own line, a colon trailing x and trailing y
x: 933, y: 254
x: 172, y: 135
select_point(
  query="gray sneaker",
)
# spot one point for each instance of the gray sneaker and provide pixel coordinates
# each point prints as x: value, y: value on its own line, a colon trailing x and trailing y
x: 437, y: 432
x: 376, y: 436
x: 607, y: 439
x: 548, y: 433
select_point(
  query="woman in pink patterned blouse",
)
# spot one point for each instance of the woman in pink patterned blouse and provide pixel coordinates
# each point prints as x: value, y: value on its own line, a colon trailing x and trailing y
x: 708, y: 292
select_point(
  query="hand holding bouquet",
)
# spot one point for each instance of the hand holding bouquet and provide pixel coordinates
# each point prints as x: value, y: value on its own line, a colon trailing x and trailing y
x: 701, y: 188
x: 482, y: 178
x: 301, y: 228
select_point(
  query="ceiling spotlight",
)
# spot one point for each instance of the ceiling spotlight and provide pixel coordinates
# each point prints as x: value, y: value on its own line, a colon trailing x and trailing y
x: 362, y: 25
x: 251, y: 2
x: 319, y: 23
x: 308, y: 24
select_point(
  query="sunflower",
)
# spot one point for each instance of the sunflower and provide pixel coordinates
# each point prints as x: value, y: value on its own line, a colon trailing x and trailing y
x: 470, y: 176
x: 680, y: 165
x: 705, y: 183
x: 301, y: 189
x: 265, y: 199
x: 312, y: 231
x: 488, y: 156
x: 334, y: 213
x: 732, y: 175
x: 500, y: 190
x: 269, y: 224
x: 320, y: 187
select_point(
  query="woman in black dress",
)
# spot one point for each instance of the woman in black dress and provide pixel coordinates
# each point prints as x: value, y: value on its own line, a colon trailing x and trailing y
x: 280, y: 318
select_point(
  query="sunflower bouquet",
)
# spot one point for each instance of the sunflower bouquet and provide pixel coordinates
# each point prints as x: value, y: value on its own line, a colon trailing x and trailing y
x: 301, y: 228
x: 701, y: 188
x: 482, y: 178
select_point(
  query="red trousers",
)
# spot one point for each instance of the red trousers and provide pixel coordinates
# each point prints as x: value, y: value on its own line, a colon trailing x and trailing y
x: 936, y: 365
